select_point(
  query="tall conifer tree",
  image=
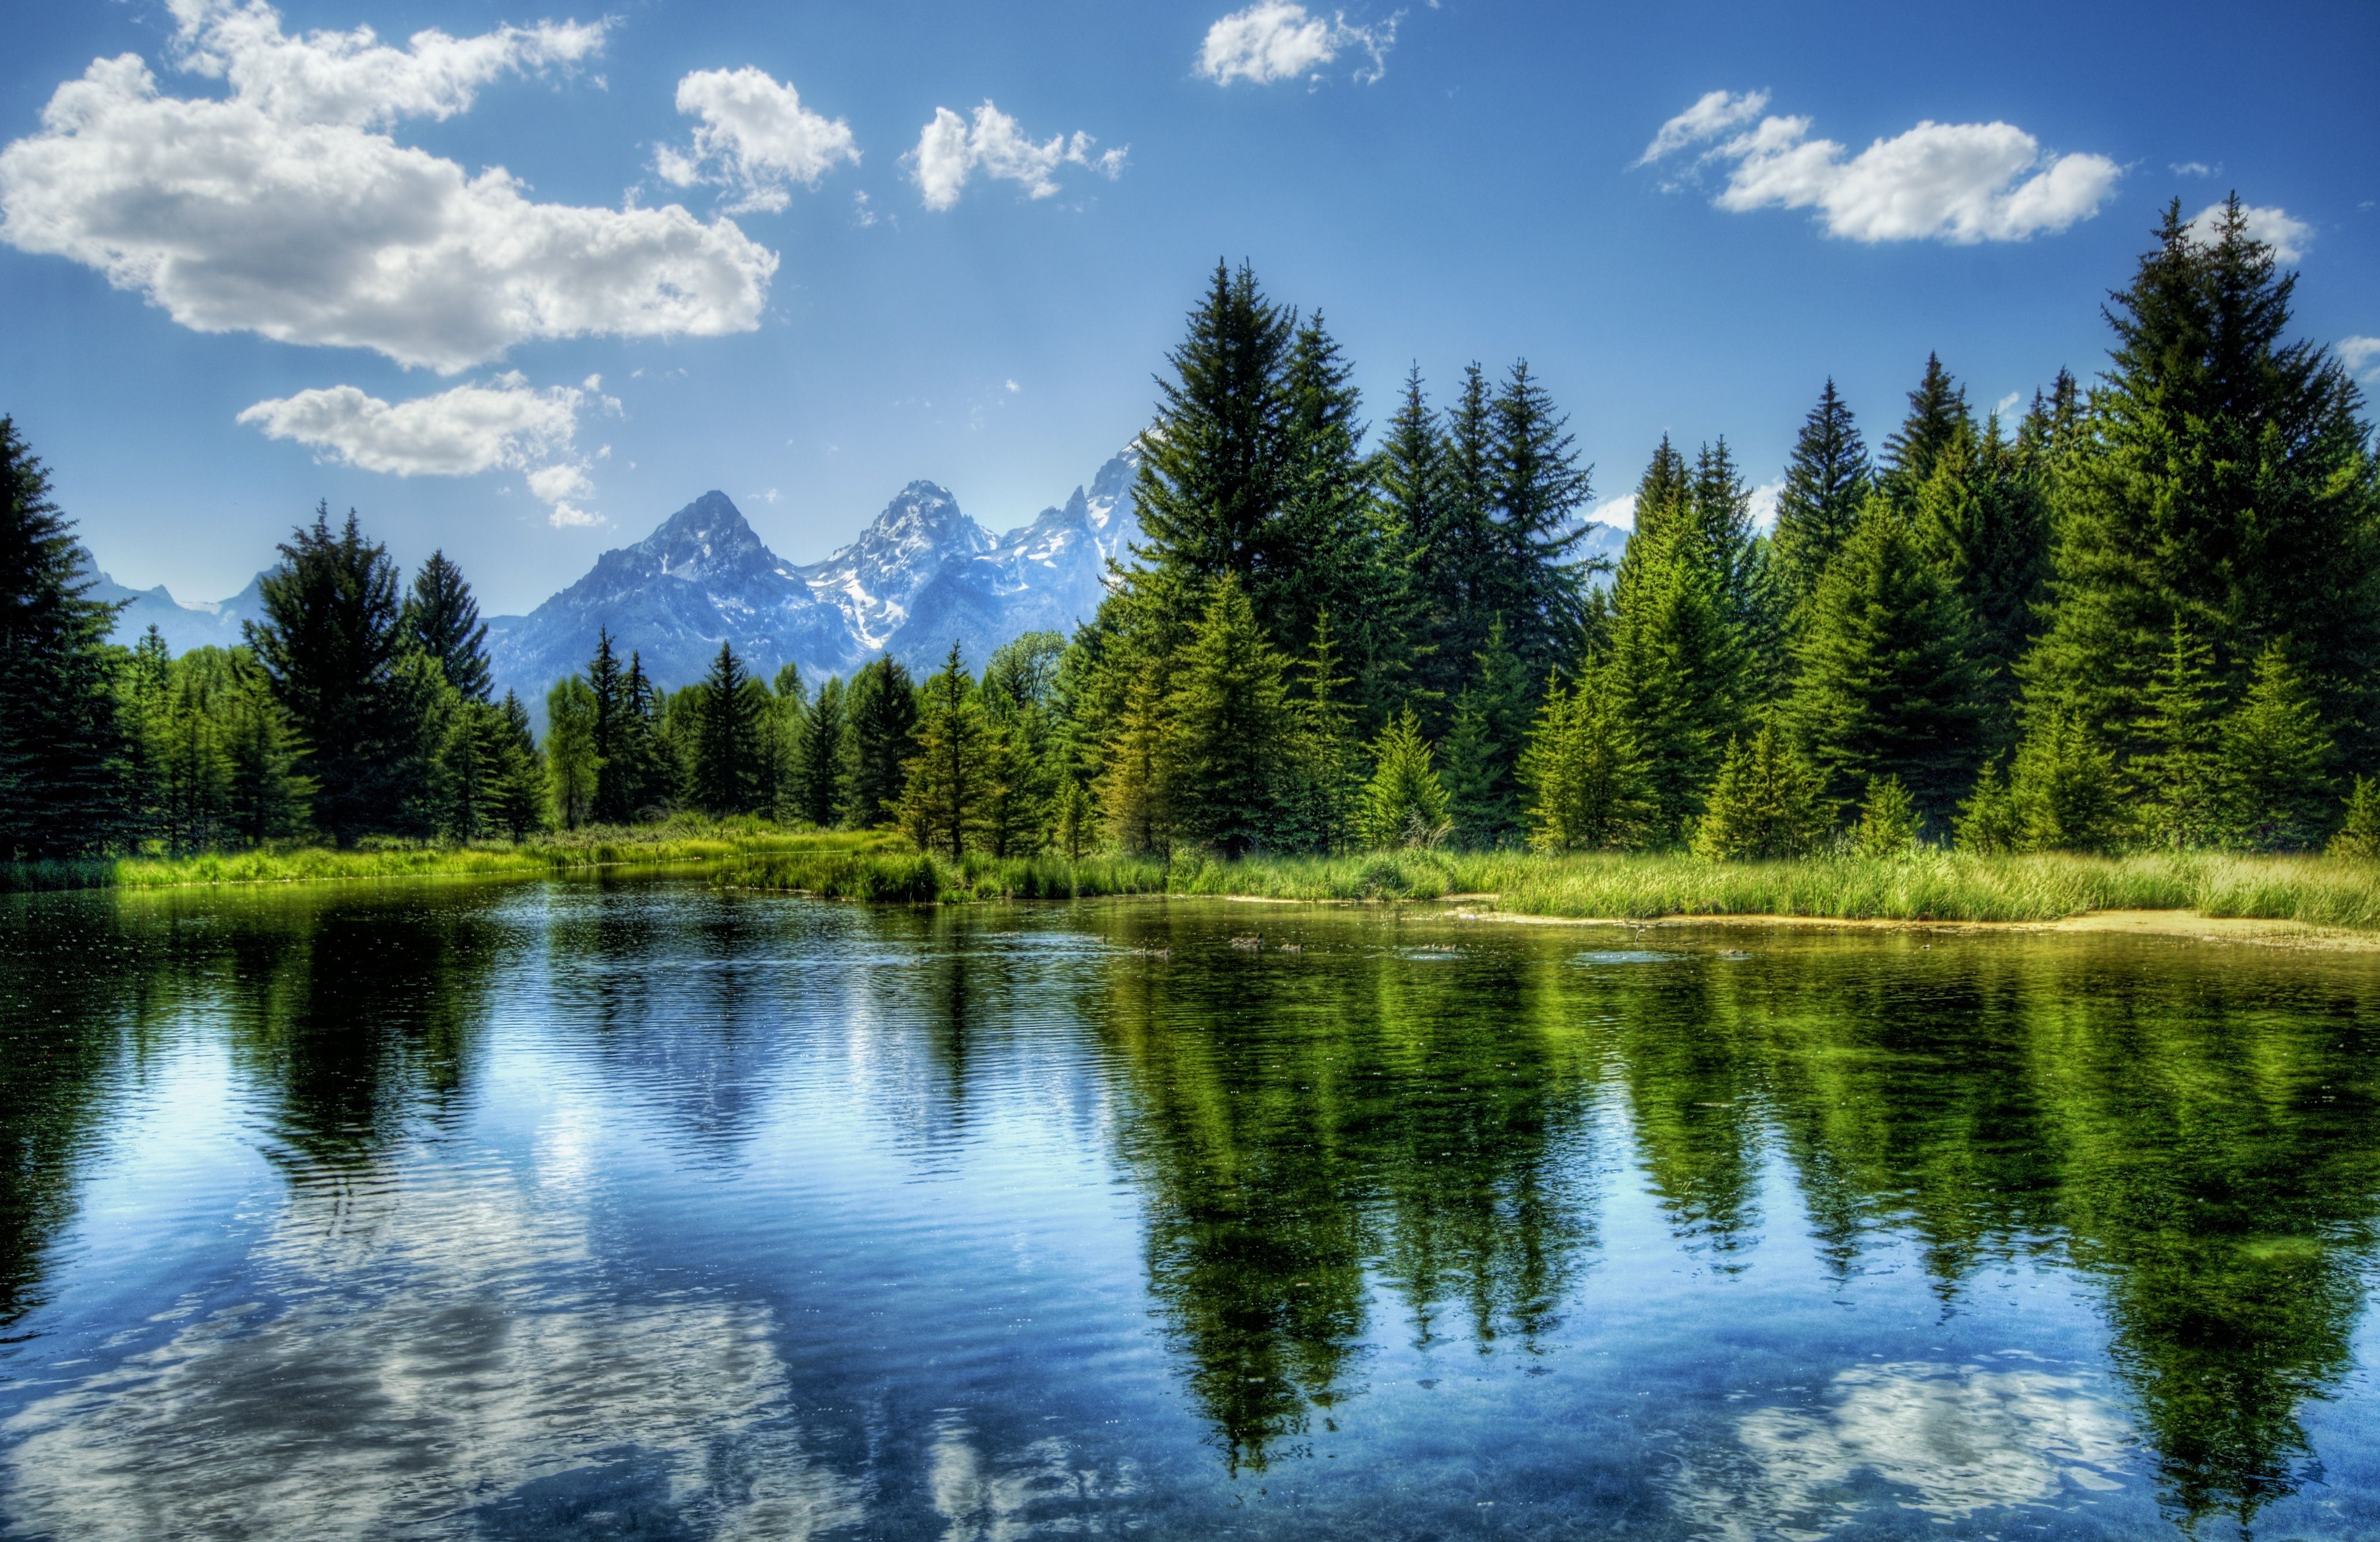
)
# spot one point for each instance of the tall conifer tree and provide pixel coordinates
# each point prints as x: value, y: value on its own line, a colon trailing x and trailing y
x: 441, y: 619
x: 1825, y: 483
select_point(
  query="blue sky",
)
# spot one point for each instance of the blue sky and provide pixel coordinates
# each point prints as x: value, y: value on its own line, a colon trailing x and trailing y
x: 787, y: 250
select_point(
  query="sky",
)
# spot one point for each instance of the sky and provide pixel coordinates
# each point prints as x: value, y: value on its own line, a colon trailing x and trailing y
x: 519, y: 283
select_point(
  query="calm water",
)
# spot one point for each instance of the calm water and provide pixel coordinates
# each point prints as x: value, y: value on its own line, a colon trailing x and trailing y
x: 641, y: 1211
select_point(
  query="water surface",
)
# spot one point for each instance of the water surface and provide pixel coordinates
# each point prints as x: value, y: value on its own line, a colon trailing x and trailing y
x: 580, y: 1211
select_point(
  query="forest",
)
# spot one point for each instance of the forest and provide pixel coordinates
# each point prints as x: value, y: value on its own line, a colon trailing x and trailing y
x: 2145, y: 617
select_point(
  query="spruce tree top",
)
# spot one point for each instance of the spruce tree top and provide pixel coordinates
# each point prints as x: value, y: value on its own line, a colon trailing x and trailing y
x: 443, y: 618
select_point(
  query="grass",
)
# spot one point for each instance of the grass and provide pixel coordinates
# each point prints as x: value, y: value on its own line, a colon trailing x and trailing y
x: 1934, y: 886
x: 677, y: 842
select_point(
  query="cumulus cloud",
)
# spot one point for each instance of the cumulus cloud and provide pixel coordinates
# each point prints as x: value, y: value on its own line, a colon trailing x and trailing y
x: 756, y: 137
x: 285, y: 209
x: 950, y: 150
x: 2359, y: 354
x: 1713, y: 115
x: 1956, y: 182
x: 2287, y: 234
x: 505, y: 423
x: 1277, y: 40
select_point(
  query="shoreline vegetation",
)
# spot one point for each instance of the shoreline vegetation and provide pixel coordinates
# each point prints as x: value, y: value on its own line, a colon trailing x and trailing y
x: 1923, y: 886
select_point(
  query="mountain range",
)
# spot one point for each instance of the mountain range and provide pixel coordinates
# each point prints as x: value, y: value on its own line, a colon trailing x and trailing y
x: 922, y: 576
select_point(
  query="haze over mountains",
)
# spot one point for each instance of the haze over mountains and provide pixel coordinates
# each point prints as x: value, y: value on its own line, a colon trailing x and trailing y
x: 920, y: 576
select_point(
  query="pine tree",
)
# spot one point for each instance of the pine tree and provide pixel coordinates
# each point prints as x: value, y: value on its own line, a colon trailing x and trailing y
x: 570, y: 761
x: 2227, y: 477
x: 2065, y: 793
x: 1825, y: 484
x: 618, y: 778
x: 1020, y: 690
x: 193, y: 764
x: 330, y: 646
x: 1937, y: 411
x: 60, y: 796
x: 1413, y: 472
x: 1984, y: 519
x: 1887, y: 824
x: 1887, y: 685
x: 1587, y: 786
x: 955, y: 775
x: 2359, y: 833
x: 1536, y: 486
x: 266, y: 798
x: 1720, y: 505
x: 1317, y: 807
x: 1989, y: 824
x: 1765, y: 805
x: 2177, y: 768
x: 441, y: 619
x: 1673, y: 678
x: 822, y: 776
x: 2274, y: 768
x: 143, y: 687
x: 1077, y: 818
x: 726, y: 772
x: 517, y: 793
x: 882, y: 707
x: 1230, y: 729
x: 1483, y: 749
x: 1405, y: 804
x: 1137, y: 778
x: 1214, y: 469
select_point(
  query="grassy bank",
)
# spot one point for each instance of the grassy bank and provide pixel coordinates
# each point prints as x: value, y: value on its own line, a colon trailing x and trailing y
x: 1945, y: 886
x: 677, y: 842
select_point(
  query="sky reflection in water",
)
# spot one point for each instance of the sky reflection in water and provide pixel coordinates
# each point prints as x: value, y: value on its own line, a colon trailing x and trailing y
x: 636, y: 1210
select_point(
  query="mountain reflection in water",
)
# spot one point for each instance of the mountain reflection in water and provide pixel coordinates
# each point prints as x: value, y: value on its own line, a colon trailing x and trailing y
x: 608, y: 1209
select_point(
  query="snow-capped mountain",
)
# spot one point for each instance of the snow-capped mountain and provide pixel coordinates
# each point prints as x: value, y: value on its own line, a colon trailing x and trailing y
x: 183, y: 624
x: 922, y: 576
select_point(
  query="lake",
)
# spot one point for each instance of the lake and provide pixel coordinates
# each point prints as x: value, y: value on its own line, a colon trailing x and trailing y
x: 635, y: 1208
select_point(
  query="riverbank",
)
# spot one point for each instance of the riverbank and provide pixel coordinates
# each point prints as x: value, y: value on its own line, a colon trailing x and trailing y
x: 1934, y: 887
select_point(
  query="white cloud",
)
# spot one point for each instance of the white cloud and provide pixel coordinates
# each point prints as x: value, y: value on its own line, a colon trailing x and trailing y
x: 1713, y: 115
x: 1955, y: 182
x: 2191, y: 169
x: 1010, y: 387
x: 2359, y: 353
x: 2008, y: 404
x: 1277, y: 40
x: 283, y: 208
x: 950, y: 150
x: 1618, y: 512
x: 1763, y: 505
x: 756, y: 137
x: 2287, y: 234
x: 502, y: 423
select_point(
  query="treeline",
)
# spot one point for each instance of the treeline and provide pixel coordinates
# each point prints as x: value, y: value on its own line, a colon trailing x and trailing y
x: 2146, y: 615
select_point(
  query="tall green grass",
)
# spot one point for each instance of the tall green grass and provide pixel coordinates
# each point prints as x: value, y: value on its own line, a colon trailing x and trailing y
x: 1935, y: 886
x: 677, y: 842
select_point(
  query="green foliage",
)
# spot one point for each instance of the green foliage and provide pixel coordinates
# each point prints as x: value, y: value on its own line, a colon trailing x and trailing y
x: 1938, y: 413
x: 729, y: 773
x: 1588, y: 787
x: 571, y: 763
x: 1483, y: 748
x: 441, y: 620
x: 955, y: 777
x: 883, y: 713
x: 1675, y: 676
x: 2065, y: 792
x: 1405, y: 804
x: 1230, y: 722
x: 2178, y: 769
x: 60, y: 793
x: 1136, y: 782
x: 822, y: 769
x: 1887, y: 824
x: 1827, y: 483
x: 1765, y: 806
x: 1888, y: 684
x: 2226, y: 477
x: 330, y: 648
x: 1988, y: 823
x: 2358, y: 833
x: 1982, y: 514
x: 2274, y: 773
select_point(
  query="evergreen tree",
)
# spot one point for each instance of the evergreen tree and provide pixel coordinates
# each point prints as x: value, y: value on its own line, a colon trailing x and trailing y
x: 1229, y: 720
x: 1019, y: 692
x: 1483, y: 750
x: 1138, y: 775
x: 955, y: 775
x: 1937, y: 411
x: 2359, y: 833
x: 441, y: 619
x: 517, y: 791
x: 646, y: 772
x: 1536, y: 486
x: 2274, y: 767
x: 570, y: 760
x: 1827, y: 483
x: 1887, y: 824
x: 2065, y: 793
x: 618, y: 778
x: 1587, y: 786
x: 193, y: 766
x: 330, y: 646
x: 266, y: 798
x: 1405, y: 804
x: 2227, y: 477
x: 727, y: 769
x: 1318, y: 808
x: 1887, y: 685
x: 1720, y: 505
x: 1983, y: 516
x: 821, y: 777
x: 1673, y: 678
x: 882, y: 707
x: 1988, y: 822
x: 1077, y: 818
x: 143, y: 689
x: 2177, y: 768
x: 1412, y: 471
x: 59, y: 792
x: 1765, y: 805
